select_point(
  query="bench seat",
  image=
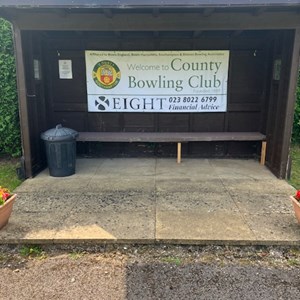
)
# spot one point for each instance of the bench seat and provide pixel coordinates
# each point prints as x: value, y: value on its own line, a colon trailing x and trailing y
x: 175, y: 137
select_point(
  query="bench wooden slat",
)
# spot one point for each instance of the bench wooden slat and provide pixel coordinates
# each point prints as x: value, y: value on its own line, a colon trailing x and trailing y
x: 165, y: 137
x: 175, y: 137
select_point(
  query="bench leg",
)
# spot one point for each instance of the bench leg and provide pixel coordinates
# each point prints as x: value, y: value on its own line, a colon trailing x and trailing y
x: 178, y: 153
x: 263, y: 152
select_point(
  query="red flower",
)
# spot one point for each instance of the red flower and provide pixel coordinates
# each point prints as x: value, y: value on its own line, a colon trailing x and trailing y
x: 297, y: 195
x: 5, y: 196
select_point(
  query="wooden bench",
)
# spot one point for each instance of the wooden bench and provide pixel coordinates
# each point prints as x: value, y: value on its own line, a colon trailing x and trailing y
x: 175, y: 137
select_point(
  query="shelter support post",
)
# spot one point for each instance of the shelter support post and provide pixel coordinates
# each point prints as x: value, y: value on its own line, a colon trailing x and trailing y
x: 178, y: 153
x: 290, y: 102
x: 22, y: 95
x: 263, y: 152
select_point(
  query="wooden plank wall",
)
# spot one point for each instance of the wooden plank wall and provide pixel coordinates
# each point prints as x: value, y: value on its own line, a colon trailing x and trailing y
x: 248, y: 89
x: 282, y: 99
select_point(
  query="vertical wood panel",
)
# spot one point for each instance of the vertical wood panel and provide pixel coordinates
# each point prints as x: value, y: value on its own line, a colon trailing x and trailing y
x: 290, y: 103
x: 282, y: 100
x: 246, y: 89
x: 25, y: 134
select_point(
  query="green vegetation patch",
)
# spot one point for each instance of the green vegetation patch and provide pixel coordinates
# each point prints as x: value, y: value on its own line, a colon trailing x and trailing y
x: 10, y: 142
x: 295, y: 175
x: 8, y: 174
x: 32, y: 251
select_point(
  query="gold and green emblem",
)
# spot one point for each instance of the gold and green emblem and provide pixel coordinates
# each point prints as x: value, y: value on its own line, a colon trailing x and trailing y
x: 106, y: 74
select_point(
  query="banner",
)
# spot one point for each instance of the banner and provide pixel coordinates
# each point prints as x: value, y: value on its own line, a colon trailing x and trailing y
x: 157, y: 81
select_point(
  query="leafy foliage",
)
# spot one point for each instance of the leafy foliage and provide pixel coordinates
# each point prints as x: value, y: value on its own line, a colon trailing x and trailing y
x: 295, y: 175
x: 33, y: 250
x: 296, y: 127
x: 9, y: 117
x: 8, y: 175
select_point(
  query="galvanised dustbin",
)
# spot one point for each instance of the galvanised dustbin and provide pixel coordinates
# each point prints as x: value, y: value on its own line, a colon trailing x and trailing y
x: 60, y: 144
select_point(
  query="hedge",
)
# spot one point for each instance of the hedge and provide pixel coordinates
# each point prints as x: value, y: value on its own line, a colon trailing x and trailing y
x: 296, y: 127
x: 10, y: 142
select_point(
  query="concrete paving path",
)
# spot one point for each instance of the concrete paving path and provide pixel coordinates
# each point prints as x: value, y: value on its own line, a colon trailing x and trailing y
x: 200, y: 201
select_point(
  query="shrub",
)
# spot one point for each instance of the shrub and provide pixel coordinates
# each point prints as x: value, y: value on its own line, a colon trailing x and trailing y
x: 296, y: 127
x: 10, y: 142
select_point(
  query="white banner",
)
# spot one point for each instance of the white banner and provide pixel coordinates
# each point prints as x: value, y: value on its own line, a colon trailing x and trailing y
x: 157, y: 81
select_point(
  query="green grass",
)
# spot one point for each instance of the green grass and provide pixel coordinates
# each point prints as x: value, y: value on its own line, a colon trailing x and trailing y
x: 295, y: 175
x: 76, y: 255
x: 33, y: 250
x: 8, y: 174
x: 172, y: 260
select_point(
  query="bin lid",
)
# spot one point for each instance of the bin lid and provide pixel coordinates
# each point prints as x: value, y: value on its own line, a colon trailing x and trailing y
x: 59, y: 133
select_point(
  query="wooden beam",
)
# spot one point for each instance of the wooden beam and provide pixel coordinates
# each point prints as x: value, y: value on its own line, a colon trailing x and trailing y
x: 88, y: 4
x: 108, y: 13
x: 237, y: 33
x: 61, y: 12
x: 197, y: 33
x: 167, y: 22
x: 259, y: 11
x: 208, y: 12
x: 155, y: 12
x: 156, y: 34
x: 22, y: 95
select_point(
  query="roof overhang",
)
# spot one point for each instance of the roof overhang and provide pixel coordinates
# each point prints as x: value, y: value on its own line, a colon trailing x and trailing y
x: 143, y: 3
x: 151, y: 15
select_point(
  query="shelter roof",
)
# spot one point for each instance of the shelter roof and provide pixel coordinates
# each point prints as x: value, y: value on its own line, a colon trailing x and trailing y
x: 143, y: 3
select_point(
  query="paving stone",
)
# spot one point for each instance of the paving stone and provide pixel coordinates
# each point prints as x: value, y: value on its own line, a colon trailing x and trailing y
x: 144, y: 200
x: 45, y: 202
x: 32, y: 227
x: 134, y: 226
x: 192, y: 168
x: 240, y: 169
x: 127, y: 183
x: 274, y: 227
x: 188, y: 226
x: 187, y: 184
x: 116, y: 201
x: 263, y: 204
x: 268, y: 186
x: 120, y: 168
x: 195, y: 201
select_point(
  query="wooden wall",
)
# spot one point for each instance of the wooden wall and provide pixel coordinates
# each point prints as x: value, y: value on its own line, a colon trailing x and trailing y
x: 250, y: 61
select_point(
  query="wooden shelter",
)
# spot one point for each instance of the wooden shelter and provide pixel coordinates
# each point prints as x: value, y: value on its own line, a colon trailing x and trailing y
x: 262, y: 37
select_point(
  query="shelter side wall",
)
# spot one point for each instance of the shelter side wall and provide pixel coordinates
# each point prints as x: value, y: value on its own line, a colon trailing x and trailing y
x: 282, y: 100
x: 35, y: 100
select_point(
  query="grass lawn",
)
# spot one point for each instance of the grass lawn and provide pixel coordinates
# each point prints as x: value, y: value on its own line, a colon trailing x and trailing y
x: 8, y: 174
x: 295, y: 176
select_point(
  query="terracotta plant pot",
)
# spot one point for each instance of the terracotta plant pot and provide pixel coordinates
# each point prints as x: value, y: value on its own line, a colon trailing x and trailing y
x: 6, y: 209
x: 296, y: 205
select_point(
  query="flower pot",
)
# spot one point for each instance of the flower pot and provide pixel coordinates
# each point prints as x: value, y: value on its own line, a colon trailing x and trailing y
x: 296, y: 205
x: 6, y: 209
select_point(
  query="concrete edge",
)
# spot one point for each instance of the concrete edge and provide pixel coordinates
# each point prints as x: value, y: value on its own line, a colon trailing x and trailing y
x: 180, y: 242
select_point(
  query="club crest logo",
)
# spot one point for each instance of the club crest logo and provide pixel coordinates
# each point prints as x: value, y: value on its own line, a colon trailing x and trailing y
x: 106, y: 74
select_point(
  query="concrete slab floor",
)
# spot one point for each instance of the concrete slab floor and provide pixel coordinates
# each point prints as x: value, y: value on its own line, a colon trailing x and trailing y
x: 200, y: 201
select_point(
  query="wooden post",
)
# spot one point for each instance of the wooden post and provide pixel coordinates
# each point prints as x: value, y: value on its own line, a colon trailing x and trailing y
x: 22, y: 95
x: 289, y: 100
x: 178, y: 153
x: 263, y: 152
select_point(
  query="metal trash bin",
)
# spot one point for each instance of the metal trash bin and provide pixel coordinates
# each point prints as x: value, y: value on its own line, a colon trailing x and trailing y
x: 60, y: 143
